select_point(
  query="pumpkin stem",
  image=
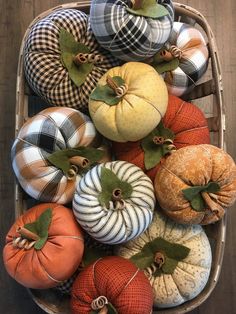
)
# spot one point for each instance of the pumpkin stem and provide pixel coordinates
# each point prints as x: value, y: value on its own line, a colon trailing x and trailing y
x: 160, y: 140
x: 82, y: 58
x: 136, y: 4
x: 213, y: 206
x: 119, y: 203
x: 27, y: 234
x: 82, y: 162
x: 159, y: 259
x: 100, y: 304
x: 119, y: 90
x: 171, y: 53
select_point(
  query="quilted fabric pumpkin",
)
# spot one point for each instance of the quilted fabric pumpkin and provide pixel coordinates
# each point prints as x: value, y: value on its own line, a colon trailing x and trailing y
x: 175, y: 258
x: 111, y: 283
x: 185, y: 59
x: 114, y: 202
x: 188, y: 125
x: 130, y: 36
x: 43, y: 254
x: 135, y: 101
x: 46, y: 69
x: 61, y: 131
x: 196, y: 184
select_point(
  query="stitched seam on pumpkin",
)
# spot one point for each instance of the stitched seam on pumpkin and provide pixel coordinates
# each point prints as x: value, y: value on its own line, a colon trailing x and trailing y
x: 193, y: 129
x: 169, y: 125
x: 72, y: 237
x: 177, y: 287
x: 143, y: 98
x: 49, y: 276
x: 173, y: 174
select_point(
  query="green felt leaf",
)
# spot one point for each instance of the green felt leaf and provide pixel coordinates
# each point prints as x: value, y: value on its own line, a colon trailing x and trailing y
x: 150, y: 8
x: 173, y: 253
x: 91, y: 255
x: 152, y: 152
x: 193, y: 195
x: 166, y: 66
x: 169, y: 266
x: 109, y: 182
x: 60, y: 158
x: 69, y: 49
x: 106, y: 93
x: 143, y: 259
x: 40, y: 227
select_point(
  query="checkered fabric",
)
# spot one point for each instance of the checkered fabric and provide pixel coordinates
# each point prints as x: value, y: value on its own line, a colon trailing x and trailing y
x: 127, y: 36
x: 44, y: 70
x: 194, y: 60
x: 51, y: 130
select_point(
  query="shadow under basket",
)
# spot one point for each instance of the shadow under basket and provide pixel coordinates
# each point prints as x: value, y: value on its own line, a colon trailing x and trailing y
x: 208, y: 95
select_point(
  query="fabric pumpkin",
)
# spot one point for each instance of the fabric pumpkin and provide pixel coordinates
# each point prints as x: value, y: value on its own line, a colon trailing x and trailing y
x: 189, y: 127
x: 160, y: 252
x: 56, y: 260
x: 188, y: 46
x: 114, y: 202
x: 128, y: 36
x: 115, y: 280
x: 53, y: 130
x: 137, y: 110
x: 196, y: 184
x: 44, y: 69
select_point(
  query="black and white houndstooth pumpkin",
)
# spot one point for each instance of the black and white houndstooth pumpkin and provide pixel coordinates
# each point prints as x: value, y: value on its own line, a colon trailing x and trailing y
x: 113, y: 224
x: 44, y: 68
x: 127, y: 36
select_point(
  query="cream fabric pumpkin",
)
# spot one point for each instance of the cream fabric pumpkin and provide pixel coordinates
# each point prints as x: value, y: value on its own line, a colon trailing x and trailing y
x: 139, y: 110
x: 119, y: 220
x: 190, y: 275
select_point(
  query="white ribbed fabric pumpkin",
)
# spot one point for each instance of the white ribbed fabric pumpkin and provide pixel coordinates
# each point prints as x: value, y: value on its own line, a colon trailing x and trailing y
x: 128, y: 36
x: 191, y: 273
x: 52, y: 130
x: 117, y: 221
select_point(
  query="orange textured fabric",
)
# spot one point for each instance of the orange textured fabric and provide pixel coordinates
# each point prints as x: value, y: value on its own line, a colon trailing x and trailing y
x: 187, y: 122
x: 57, y: 260
x: 116, y: 278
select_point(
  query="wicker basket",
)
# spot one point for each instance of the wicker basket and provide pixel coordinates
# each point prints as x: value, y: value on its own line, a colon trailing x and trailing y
x: 27, y: 102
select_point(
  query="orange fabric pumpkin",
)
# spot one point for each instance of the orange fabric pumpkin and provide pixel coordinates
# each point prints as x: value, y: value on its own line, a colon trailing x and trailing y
x: 119, y: 281
x: 59, y: 257
x: 196, y: 184
x: 185, y: 120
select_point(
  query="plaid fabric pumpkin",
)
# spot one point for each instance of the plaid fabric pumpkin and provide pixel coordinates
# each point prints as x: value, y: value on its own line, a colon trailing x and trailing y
x: 43, y: 67
x: 113, y: 280
x: 127, y: 36
x: 51, y: 130
x: 193, y: 61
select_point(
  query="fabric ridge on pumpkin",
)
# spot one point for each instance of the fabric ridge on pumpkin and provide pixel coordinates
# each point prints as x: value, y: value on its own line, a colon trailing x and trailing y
x: 129, y: 37
x: 43, y: 67
x: 51, y: 130
x: 111, y: 225
x: 191, y: 274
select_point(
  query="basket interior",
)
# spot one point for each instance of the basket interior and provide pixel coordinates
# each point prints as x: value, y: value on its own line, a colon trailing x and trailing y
x: 207, y: 95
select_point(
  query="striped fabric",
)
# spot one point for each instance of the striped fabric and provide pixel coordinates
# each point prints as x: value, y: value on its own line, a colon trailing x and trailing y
x: 114, y: 226
x: 128, y: 36
x: 44, y: 70
x: 51, y: 130
x: 194, y: 60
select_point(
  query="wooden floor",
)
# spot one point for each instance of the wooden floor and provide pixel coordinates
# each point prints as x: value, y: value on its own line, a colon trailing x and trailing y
x: 15, y: 15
